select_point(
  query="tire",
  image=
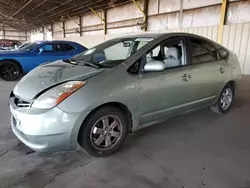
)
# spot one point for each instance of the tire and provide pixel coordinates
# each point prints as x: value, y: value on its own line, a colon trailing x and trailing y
x: 95, y: 138
x: 225, y: 100
x: 9, y: 70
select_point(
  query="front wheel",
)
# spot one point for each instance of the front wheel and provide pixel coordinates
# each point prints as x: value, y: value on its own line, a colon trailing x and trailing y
x: 104, y: 132
x: 225, y: 100
x: 9, y: 70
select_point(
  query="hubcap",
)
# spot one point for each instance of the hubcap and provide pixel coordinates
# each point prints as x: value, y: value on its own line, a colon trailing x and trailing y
x: 226, y: 98
x: 106, y: 132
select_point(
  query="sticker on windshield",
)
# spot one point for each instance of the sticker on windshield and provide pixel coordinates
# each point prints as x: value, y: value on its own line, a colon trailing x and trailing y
x: 144, y: 39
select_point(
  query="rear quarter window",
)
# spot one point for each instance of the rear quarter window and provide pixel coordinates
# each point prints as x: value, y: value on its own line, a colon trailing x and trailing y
x: 202, y: 51
x: 68, y: 47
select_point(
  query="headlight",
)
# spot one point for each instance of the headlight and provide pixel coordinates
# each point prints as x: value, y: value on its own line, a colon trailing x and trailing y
x: 57, y: 94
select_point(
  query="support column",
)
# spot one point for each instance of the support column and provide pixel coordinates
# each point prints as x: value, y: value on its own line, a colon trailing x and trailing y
x: 4, y: 34
x: 80, y: 25
x: 142, y: 11
x: 26, y: 36
x: 63, y: 27
x: 181, y: 14
x: 223, y: 13
x: 44, y: 37
x: 145, y: 8
x: 105, y: 21
x: 52, y: 32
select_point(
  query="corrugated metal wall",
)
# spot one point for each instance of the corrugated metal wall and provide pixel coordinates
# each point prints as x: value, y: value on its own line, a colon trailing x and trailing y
x: 12, y: 33
x: 198, y: 17
x: 236, y: 37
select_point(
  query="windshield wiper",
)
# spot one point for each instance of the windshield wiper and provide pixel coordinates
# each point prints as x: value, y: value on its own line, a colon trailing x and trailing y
x: 92, y: 65
x: 81, y: 62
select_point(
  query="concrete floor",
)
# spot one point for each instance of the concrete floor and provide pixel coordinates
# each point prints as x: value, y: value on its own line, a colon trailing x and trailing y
x: 201, y: 149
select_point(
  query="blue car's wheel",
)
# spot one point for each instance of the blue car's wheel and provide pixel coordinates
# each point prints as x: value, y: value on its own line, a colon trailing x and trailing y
x: 9, y: 70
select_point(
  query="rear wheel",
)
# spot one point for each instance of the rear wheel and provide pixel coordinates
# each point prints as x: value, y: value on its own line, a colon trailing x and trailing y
x: 104, y: 132
x: 225, y: 100
x: 9, y: 70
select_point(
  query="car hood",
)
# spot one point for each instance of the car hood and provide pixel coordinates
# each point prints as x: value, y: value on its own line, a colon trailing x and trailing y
x: 50, y: 74
x: 11, y: 52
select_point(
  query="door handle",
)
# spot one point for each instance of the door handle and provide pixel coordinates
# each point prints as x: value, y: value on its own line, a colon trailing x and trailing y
x: 222, y: 69
x: 186, y: 77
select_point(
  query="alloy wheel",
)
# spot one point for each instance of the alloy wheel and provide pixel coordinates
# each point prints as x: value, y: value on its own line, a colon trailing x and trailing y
x: 226, y: 98
x: 106, y: 132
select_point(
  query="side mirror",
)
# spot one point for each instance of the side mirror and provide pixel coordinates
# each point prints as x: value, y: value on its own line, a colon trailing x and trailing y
x: 41, y: 50
x: 154, y: 66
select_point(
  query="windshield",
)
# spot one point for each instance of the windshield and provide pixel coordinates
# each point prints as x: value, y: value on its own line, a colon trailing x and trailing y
x: 28, y: 47
x: 22, y: 45
x: 113, y: 52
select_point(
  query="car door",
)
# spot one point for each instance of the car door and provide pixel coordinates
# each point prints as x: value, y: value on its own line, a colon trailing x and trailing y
x: 65, y: 50
x: 169, y: 92
x: 42, y: 54
x: 209, y: 70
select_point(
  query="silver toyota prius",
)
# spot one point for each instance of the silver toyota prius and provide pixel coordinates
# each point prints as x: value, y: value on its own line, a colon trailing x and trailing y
x: 96, y: 98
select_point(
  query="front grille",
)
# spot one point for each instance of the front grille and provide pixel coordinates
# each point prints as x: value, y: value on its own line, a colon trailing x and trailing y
x: 21, y: 103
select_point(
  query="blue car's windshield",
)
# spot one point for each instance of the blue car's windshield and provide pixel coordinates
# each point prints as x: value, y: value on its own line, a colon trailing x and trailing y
x: 29, y: 47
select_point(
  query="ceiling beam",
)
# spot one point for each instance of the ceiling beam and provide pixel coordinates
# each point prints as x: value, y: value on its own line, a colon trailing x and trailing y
x: 53, y: 1
x: 20, y: 28
x: 40, y: 13
x: 83, y: 10
x: 73, y: 8
x: 17, y: 11
x: 40, y: 4
x: 54, y: 8
x: 8, y: 4
x: 23, y: 23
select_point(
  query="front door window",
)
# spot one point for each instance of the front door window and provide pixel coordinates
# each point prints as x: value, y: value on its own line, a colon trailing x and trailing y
x: 171, y: 53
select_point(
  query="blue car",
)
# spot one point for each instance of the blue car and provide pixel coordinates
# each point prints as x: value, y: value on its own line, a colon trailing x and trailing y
x: 14, y: 63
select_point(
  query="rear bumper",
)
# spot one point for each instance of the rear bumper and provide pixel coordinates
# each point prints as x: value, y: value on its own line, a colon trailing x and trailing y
x: 44, y: 131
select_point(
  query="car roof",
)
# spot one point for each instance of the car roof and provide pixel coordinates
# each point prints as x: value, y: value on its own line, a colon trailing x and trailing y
x: 167, y: 35
x: 61, y: 41
x: 156, y: 35
x: 147, y: 35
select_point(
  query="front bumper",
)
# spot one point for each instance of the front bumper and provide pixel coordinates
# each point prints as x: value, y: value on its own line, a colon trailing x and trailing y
x: 44, y: 130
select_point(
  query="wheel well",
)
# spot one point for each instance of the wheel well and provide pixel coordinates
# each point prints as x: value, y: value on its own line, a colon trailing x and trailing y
x: 118, y: 105
x: 232, y: 83
x: 15, y: 61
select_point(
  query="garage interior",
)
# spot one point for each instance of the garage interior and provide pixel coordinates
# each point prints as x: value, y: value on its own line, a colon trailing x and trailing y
x: 199, y: 149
